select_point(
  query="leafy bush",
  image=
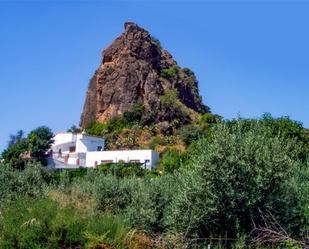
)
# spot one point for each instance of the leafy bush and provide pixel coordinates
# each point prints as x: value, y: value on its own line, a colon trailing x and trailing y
x: 97, y: 129
x: 13, y: 154
x: 244, y: 169
x: 207, y: 120
x: 28, y: 183
x: 74, y: 129
x: 191, y: 133
x: 39, y: 224
x: 155, y: 141
x: 149, y: 199
x: 123, y: 169
x: 40, y: 141
x: 170, y: 97
x: 170, y: 161
x: 42, y: 223
x: 33, y: 147
x: 169, y: 73
x: 111, y: 194
x: 135, y: 114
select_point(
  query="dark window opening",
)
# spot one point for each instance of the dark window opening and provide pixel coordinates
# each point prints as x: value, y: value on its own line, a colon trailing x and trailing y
x: 99, y: 148
x: 72, y: 149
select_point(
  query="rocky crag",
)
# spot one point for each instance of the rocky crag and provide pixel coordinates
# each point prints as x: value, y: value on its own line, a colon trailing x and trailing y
x: 135, y: 70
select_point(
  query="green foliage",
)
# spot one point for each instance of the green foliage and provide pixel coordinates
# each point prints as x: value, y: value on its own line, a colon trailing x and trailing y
x: 134, y: 116
x: 74, y: 129
x: 191, y: 133
x: 170, y: 97
x: 16, y: 138
x: 115, y: 125
x: 148, y: 202
x: 42, y: 223
x: 208, y: 119
x: 155, y: 141
x: 40, y: 141
x: 245, y: 168
x: 33, y: 147
x: 28, y: 183
x: 13, y: 154
x: 171, y: 160
x: 97, y: 129
x: 242, y: 168
x: 188, y: 71
x: 123, y: 169
x: 169, y: 73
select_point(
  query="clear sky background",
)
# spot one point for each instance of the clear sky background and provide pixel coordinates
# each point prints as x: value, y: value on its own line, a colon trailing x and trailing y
x: 250, y: 57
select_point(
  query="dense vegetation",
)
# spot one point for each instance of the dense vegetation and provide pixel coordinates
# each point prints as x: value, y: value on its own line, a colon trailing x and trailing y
x: 216, y: 179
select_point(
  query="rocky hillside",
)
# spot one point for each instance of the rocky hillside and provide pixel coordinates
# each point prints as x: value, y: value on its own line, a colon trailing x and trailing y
x: 135, y: 70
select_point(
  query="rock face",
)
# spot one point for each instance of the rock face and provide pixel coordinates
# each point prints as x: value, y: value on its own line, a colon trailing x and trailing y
x: 136, y: 70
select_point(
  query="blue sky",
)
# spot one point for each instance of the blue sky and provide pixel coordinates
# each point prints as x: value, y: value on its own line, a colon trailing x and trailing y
x: 250, y: 57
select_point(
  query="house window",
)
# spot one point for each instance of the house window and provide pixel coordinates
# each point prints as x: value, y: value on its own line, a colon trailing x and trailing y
x: 99, y: 148
x: 72, y: 149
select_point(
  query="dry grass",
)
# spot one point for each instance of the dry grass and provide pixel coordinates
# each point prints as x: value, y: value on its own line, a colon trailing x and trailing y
x: 74, y: 199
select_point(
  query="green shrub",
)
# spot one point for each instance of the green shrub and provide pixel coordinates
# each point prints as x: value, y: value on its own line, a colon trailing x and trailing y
x: 191, y: 133
x: 207, y: 120
x: 108, y: 230
x: 113, y: 126
x: 30, y: 182
x: 111, y: 193
x: 30, y: 223
x: 34, y: 147
x: 244, y: 169
x: 134, y: 115
x: 169, y: 98
x: 171, y: 160
x: 97, y: 129
x: 155, y: 141
x: 123, y: 169
x: 42, y: 223
x: 169, y: 73
x: 12, y: 155
x: 148, y: 202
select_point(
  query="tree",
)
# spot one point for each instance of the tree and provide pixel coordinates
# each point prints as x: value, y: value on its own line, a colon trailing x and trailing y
x: 170, y: 161
x: 16, y: 138
x: 33, y: 147
x: 246, y: 166
x: 40, y: 141
x: 74, y: 129
x: 191, y: 133
x: 13, y: 154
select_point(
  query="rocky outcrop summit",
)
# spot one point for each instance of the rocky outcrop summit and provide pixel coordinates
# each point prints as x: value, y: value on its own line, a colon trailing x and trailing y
x: 136, y: 70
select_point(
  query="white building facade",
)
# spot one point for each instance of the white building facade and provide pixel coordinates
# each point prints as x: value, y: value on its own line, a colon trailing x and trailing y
x: 71, y: 150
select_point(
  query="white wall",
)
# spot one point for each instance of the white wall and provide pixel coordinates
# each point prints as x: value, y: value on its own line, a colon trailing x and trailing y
x: 122, y: 155
x: 64, y: 137
x: 86, y: 143
x: 82, y: 142
x: 86, y: 151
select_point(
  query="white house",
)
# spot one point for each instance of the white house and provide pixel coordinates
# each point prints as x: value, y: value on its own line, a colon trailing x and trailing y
x: 71, y: 150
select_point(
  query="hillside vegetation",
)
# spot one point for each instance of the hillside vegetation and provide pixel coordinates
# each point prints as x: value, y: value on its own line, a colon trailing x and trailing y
x: 244, y: 179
